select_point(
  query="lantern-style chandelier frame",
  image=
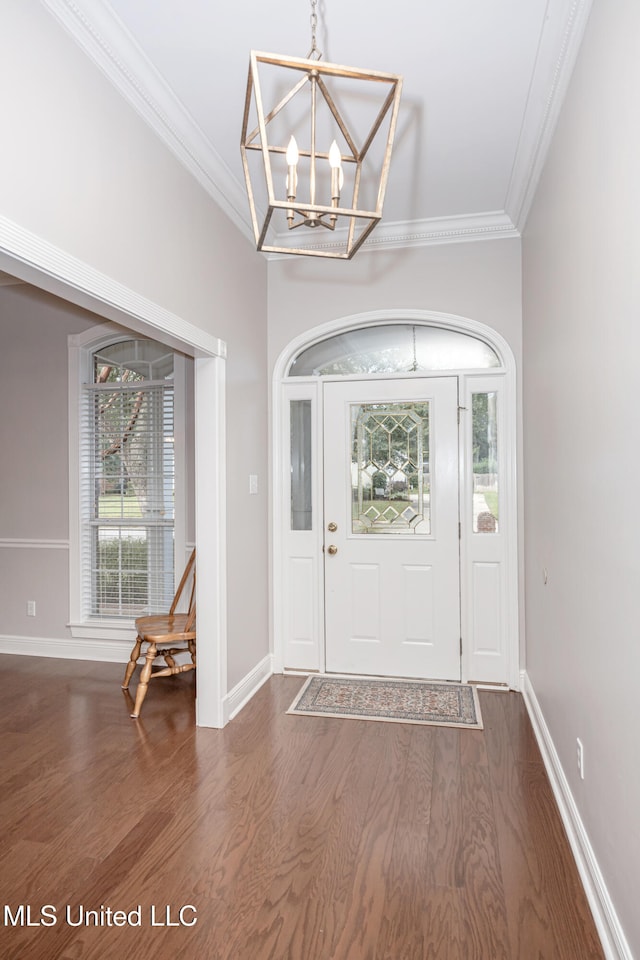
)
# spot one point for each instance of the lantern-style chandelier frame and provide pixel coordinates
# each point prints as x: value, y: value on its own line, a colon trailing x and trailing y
x: 315, y: 185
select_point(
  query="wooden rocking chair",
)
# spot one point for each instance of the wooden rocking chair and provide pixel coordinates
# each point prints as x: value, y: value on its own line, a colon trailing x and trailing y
x: 166, y: 635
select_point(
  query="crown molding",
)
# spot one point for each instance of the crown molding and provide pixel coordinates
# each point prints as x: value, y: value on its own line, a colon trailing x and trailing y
x: 495, y: 225
x: 107, y: 42
x: 557, y: 53
x: 35, y: 260
x: 492, y: 225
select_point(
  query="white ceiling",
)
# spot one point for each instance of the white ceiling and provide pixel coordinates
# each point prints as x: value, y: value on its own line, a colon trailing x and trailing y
x: 483, y: 84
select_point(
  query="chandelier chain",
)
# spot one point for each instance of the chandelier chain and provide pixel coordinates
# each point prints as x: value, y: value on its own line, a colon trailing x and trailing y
x: 314, y: 26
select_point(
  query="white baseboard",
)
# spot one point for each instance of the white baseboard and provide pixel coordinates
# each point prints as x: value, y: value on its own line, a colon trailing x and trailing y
x: 243, y: 691
x: 118, y: 651
x: 108, y: 651
x: 614, y: 942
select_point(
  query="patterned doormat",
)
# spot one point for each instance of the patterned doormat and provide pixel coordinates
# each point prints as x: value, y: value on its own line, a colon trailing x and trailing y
x: 394, y: 701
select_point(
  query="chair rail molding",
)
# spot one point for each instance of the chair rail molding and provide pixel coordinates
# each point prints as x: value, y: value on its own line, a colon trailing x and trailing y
x: 25, y: 543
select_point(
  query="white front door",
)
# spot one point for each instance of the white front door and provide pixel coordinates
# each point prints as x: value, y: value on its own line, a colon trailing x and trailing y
x: 391, y: 519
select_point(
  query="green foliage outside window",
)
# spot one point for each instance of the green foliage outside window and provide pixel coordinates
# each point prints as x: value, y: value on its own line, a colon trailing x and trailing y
x: 121, y: 573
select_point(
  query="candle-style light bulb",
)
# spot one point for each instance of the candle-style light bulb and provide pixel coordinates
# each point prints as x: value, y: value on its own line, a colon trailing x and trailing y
x: 337, y: 178
x: 292, y: 156
x: 337, y: 173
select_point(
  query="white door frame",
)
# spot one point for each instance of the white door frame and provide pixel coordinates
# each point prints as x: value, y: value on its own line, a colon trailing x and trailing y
x: 38, y: 262
x: 298, y: 590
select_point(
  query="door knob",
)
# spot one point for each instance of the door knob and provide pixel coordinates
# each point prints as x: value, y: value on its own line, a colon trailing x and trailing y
x: 332, y: 527
x: 332, y: 549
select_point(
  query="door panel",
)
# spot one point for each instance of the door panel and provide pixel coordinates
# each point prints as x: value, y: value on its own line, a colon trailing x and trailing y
x: 418, y: 603
x: 364, y: 614
x: 391, y: 490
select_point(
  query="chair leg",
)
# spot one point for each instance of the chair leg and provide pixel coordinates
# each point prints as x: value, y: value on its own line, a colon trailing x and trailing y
x: 133, y: 660
x: 145, y: 676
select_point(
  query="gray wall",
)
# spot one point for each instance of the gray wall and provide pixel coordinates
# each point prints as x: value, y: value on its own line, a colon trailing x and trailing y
x: 85, y: 174
x: 34, y: 440
x: 581, y: 348
x: 480, y: 281
x: 34, y: 502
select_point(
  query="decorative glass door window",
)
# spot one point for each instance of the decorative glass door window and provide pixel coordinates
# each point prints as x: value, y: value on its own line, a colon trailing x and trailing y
x: 390, y: 478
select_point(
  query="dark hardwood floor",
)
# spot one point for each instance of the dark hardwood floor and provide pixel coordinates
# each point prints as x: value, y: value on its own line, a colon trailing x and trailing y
x: 295, y: 838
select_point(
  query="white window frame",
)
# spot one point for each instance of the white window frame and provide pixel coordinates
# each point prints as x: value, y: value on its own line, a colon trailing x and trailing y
x: 81, y: 348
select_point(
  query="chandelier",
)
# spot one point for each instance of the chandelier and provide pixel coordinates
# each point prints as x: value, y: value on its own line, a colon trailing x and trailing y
x: 308, y: 170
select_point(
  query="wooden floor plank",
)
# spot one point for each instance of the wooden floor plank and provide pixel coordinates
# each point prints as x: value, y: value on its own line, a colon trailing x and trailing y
x: 485, y: 920
x: 444, y: 865
x: 546, y: 906
x: 406, y: 925
x: 296, y: 838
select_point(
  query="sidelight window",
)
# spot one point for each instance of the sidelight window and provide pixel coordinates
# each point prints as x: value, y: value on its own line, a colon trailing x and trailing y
x: 486, y: 513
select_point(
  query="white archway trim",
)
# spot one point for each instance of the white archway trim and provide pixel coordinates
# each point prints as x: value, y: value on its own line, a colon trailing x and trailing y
x: 40, y: 263
x: 509, y: 432
x: 34, y: 260
x: 211, y: 538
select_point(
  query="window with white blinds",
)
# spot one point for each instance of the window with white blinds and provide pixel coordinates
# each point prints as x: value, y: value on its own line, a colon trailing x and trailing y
x: 127, y: 481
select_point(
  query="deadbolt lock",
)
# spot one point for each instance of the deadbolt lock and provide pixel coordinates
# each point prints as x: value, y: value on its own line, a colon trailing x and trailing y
x: 332, y: 527
x: 332, y: 550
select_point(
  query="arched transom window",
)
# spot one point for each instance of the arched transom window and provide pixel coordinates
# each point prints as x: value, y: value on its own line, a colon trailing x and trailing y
x: 393, y: 348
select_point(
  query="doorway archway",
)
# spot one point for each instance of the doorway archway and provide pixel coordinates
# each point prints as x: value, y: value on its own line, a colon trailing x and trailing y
x: 39, y: 263
x: 405, y: 351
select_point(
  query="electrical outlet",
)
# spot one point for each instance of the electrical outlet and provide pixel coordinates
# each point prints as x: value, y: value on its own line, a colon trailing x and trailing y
x: 31, y: 608
x: 580, y: 757
x: 253, y: 483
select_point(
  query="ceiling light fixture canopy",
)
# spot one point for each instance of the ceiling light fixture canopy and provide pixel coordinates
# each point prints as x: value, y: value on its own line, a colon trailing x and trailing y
x: 305, y: 166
